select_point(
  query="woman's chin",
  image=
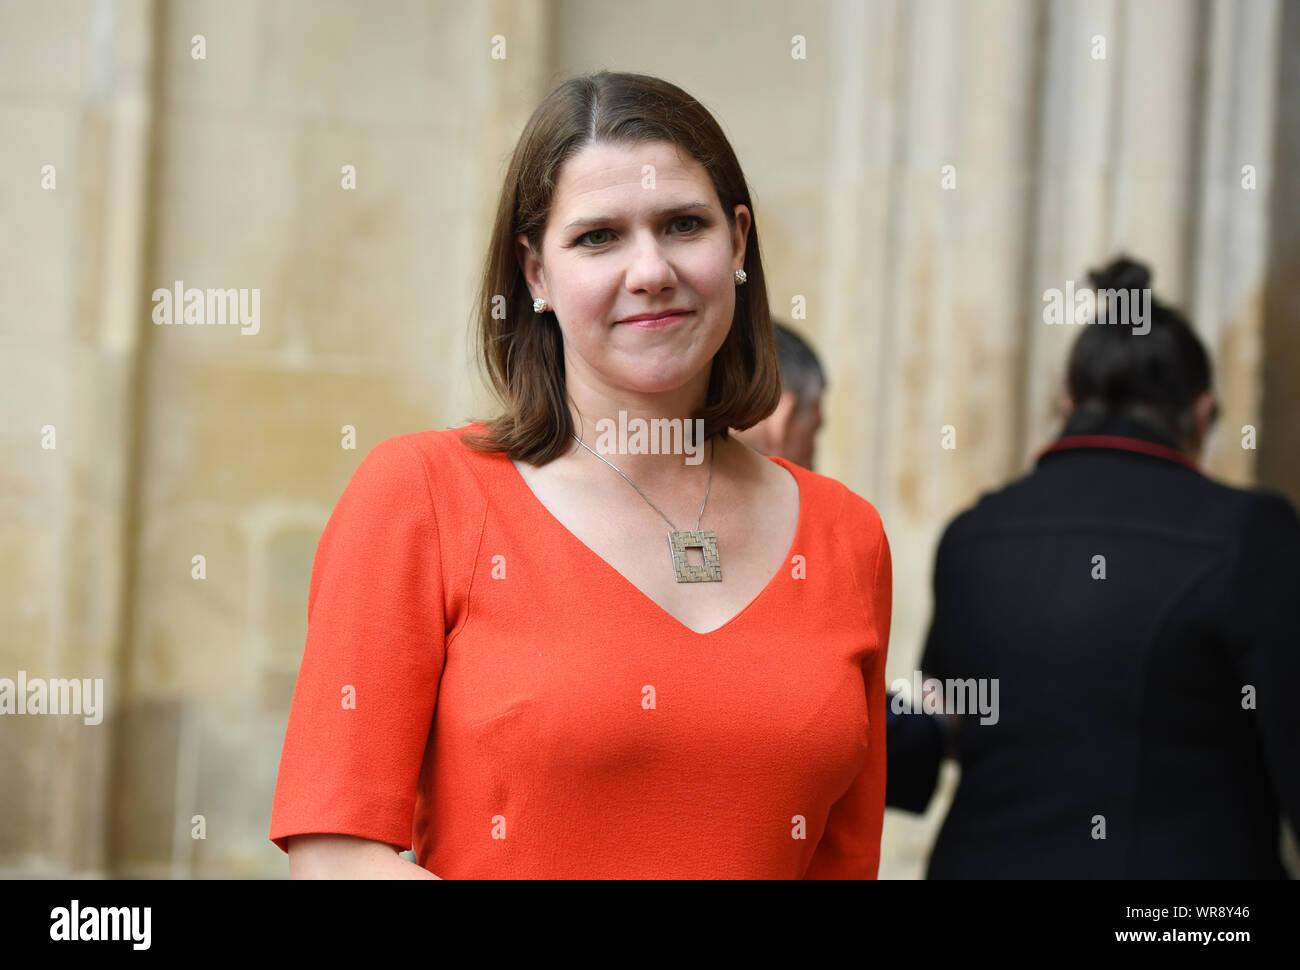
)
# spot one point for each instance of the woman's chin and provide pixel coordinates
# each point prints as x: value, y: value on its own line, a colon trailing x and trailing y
x: 643, y: 384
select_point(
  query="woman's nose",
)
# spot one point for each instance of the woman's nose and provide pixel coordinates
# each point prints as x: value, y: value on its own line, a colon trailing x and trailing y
x: 649, y: 268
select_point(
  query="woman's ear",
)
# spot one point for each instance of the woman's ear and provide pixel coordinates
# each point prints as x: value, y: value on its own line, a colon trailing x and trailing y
x: 740, y: 234
x: 531, y: 266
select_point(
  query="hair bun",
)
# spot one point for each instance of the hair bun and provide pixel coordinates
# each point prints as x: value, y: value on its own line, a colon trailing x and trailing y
x: 1121, y: 274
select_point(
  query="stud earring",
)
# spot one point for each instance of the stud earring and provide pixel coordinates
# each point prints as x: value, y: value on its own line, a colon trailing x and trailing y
x: 740, y: 277
x: 539, y: 305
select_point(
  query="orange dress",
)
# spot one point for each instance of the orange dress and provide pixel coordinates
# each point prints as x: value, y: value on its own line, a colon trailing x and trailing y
x: 478, y: 684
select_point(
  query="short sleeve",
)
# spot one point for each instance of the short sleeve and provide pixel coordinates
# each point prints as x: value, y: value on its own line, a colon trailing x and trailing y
x: 850, y: 844
x: 368, y: 683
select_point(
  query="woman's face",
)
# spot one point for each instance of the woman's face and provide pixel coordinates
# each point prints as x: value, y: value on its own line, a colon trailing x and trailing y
x: 637, y: 229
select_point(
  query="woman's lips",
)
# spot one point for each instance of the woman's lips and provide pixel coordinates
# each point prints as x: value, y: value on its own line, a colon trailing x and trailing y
x: 665, y: 321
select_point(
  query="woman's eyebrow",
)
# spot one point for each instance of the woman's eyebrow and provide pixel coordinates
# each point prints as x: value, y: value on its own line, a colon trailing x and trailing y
x: 659, y: 213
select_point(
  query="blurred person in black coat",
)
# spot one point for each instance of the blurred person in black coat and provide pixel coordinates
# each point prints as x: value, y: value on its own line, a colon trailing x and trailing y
x: 1143, y: 622
x: 915, y: 742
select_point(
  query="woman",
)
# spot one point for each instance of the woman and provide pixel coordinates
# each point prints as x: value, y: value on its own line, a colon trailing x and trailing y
x: 1141, y: 622
x: 507, y: 664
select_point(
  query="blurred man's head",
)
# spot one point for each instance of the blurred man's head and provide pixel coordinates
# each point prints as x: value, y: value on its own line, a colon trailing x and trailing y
x: 790, y: 431
x: 1160, y: 378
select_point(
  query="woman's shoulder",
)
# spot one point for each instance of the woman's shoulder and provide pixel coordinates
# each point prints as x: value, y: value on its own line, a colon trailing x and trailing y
x: 424, y: 487
x: 831, y: 503
x: 857, y: 533
x: 443, y: 453
x: 433, y: 468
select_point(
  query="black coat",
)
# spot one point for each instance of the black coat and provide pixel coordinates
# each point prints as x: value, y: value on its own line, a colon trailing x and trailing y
x: 915, y: 744
x: 1161, y: 702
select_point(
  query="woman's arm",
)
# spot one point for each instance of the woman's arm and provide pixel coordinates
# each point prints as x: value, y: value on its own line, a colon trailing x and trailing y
x: 363, y: 703
x: 849, y: 847
x: 348, y: 857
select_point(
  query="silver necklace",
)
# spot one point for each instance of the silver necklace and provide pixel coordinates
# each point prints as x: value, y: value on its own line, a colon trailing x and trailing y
x: 679, y: 540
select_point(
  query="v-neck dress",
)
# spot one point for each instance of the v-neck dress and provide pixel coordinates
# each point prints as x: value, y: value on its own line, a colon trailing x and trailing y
x: 480, y: 685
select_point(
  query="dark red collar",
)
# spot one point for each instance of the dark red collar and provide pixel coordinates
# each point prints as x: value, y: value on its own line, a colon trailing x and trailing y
x: 1071, y: 442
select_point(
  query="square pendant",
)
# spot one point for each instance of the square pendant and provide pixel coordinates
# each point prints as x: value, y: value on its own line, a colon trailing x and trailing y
x: 706, y: 540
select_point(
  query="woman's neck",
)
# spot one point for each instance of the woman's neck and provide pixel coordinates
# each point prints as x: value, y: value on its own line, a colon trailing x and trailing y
x: 653, y: 439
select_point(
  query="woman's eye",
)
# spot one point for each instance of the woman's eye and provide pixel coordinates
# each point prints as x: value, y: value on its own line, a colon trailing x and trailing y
x: 693, y: 223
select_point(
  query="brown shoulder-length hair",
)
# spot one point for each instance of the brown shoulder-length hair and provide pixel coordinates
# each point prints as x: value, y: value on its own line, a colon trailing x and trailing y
x: 522, y: 352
